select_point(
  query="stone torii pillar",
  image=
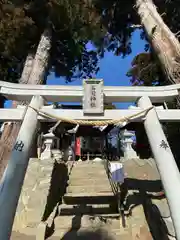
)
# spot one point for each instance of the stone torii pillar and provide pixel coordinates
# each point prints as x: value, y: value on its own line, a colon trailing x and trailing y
x: 165, y: 161
x: 11, y: 183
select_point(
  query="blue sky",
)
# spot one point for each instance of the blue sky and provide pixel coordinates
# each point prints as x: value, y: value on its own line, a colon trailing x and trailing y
x: 112, y: 69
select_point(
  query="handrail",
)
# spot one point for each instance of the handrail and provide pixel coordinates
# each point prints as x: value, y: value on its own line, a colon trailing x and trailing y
x: 114, y: 186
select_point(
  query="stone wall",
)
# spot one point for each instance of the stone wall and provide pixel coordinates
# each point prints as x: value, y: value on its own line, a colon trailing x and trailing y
x: 33, y: 199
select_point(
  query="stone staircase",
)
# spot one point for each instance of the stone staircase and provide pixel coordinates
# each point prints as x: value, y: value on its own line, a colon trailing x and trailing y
x: 88, y: 202
x: 77, y: 202
x: 89, y: 208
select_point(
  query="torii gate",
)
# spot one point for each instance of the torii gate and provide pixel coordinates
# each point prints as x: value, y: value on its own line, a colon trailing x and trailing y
x: 93, y: 94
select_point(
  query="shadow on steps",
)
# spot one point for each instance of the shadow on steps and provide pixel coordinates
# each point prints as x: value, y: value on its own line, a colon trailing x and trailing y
x: 153, y: 186
x: 104, y: 199
x: 86, y: 210
x: 57, y: 189
x: 148, y: 190
x: 72, y: 235
x: 87, y: 235
x: 152, y: 214
x: 155, y: 222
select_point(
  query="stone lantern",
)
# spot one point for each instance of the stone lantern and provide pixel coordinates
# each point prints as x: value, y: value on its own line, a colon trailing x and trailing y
x: 48, y: 142
x: 126, y: 140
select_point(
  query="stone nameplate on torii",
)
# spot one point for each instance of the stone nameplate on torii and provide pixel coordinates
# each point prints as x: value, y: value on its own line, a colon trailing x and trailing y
x: 93, y: 99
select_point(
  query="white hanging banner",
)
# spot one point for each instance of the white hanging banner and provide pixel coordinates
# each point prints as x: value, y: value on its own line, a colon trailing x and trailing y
x: 122, y: 124
x: 117, y: 172
x: 101, y: 128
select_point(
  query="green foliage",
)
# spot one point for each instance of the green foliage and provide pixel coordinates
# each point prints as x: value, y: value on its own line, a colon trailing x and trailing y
x: 170, y: 11
x: 117, y: 16
x: 72, y: 22
x: 109, y: 106
x: 146, y: 68
x: 146, y: 71
x: 106, y: 23
x: 14, y: 25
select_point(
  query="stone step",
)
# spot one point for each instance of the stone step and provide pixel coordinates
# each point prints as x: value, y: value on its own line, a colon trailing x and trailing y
x: 69, y: 210
x: 96, y: 234
x: 86, y: 221
x: 79, y: 177
x: 88, y: 166
x: 88, y: 182
x: 86, y: 163
x: 87, y: 177
x: 85, y: 167
x: 171, y: 238
x: 163, y: 207
x: 164, y: 210
x: 90, y: 172
x: 110, y: 226
x: 89, y: 198
x: 25, y: 234
x: 89, y: 194
x: 89, y: 188
x: 170, y: 226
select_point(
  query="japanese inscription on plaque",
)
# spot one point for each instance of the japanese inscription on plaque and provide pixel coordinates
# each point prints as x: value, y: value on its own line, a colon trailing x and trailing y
x: 93, y: 96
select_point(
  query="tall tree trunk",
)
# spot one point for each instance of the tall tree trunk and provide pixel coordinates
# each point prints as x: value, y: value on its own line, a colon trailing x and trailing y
x: 11, y: 129
x: 34, y: 72
x: 27, y: 69
x: 163, y: 41
x: 167, y: 48
x: 41, y: 60
x: 25, y: 73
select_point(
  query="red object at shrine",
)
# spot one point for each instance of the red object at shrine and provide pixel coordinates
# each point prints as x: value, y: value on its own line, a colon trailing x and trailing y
x: 78, y: 147
x: 141, y: 145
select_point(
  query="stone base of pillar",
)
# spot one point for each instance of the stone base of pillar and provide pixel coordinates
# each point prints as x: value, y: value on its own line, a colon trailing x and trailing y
x: 46, y: 155
x: 130, y: 154
x: 57, y: 155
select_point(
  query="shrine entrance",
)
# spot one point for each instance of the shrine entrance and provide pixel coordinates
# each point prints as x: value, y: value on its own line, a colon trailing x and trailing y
x: 93, y: 115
